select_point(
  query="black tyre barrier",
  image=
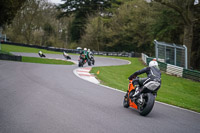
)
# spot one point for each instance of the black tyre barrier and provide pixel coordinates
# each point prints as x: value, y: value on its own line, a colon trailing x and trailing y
x: 10, y: 57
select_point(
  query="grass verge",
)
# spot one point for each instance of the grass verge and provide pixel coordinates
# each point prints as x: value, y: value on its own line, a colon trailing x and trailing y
x: 45, y: 61
x: 5, y: 52
x: 175, y: 91
x: 12, y: 48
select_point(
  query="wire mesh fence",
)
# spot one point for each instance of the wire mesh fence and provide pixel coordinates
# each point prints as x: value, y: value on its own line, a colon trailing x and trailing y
x: 171, y: 53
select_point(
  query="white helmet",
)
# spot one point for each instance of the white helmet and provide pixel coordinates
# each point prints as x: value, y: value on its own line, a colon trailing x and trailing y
x: 88, y: 50
x: 153, y: 63
x: 85, y: 48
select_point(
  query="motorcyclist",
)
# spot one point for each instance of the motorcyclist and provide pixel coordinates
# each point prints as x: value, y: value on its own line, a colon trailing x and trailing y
x: 66, y: 55
x: 41, y: 54
x: 153, y: 80
x: 84, y: 52
x: 91, y: 56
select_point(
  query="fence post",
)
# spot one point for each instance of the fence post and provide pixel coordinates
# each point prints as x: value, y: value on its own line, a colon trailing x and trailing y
x: 1, y: 29
x: 174, y: 54
x: 156, y: 49
x: 186, y: 63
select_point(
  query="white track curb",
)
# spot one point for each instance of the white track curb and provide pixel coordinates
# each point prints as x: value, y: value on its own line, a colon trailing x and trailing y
x: 84, y: 74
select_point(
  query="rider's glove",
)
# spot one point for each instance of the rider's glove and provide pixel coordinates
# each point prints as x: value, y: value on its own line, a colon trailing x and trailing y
x: 131, y: 77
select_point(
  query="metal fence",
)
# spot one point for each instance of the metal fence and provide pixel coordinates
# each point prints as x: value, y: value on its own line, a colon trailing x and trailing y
x: 171, y: 53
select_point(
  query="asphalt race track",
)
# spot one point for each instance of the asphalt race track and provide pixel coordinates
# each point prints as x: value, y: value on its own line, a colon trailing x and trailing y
x: 41, y: 98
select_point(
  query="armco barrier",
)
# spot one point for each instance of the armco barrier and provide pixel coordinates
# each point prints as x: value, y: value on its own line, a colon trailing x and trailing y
x: 10, y: 57
x: 191, y: 74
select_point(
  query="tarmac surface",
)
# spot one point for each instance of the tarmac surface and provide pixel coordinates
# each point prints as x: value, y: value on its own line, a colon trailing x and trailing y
x: 42, y: 98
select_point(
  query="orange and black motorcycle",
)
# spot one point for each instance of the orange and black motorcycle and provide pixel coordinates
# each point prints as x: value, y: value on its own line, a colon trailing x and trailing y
x: 143, y: 103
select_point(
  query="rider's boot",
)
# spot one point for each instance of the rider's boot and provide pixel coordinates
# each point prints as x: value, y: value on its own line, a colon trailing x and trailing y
x: 138, y: 91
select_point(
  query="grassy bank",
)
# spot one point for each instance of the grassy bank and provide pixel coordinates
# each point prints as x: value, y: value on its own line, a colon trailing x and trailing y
x: 12, y: 48
x: 45, y: 61
x: 175, y: 91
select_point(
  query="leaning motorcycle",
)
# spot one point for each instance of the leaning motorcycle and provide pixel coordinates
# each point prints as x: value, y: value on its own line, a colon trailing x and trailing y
x: 66, y: 56
x: 92, y: 60
x: 144, y: 102
x: 41, y: 55
x: 82, y: 60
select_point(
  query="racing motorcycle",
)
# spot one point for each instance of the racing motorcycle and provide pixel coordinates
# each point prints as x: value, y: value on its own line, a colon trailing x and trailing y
x: 82, y: 60
x: 144, y: 102
x: 92, y: 60
x: 66, y: 56
x: 41, y: 54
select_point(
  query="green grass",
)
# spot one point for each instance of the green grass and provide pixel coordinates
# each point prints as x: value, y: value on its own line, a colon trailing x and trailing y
x: 5, y: 52
x: 175, y: 91
x: 13, y: 48
x: 45, y: 61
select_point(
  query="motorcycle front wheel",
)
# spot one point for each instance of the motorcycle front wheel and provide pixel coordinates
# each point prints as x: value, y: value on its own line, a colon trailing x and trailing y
x: 89, y: 63
x: 147, y: 104
x: 80, y: 64
x: 126, y: 101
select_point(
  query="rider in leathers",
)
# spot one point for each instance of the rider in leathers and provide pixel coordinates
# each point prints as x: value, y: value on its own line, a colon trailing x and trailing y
x: 153, y: 74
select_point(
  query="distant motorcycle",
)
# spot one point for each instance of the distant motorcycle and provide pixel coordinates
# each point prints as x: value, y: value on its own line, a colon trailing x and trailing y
x: 82, y: 60
x: 41, y: 54
x: 144, y: 103
x: 66, y: 56
x: 92, y: 60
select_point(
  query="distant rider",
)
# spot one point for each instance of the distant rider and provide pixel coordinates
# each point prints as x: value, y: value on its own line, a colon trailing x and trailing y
x: 85, y: 53
x: 153, y: 74
x: 41, y: 54
x: 91, y: 56
x: 66, y: 55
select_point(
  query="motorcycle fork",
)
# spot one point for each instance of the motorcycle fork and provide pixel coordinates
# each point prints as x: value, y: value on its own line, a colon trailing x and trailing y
x: 130, y: 88
x: 141, y: 99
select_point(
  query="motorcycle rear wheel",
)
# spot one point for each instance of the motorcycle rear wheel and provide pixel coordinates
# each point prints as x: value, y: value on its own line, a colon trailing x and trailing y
x: 146, y: 108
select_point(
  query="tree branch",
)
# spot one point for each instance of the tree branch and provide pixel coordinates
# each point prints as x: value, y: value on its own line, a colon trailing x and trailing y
x: 181, y: 11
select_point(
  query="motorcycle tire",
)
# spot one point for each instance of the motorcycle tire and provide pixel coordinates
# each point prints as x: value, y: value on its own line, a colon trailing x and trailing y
x: 148, y: 105
x: 89, y: 63
x: 126, y: 102
x: 80, y: 64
